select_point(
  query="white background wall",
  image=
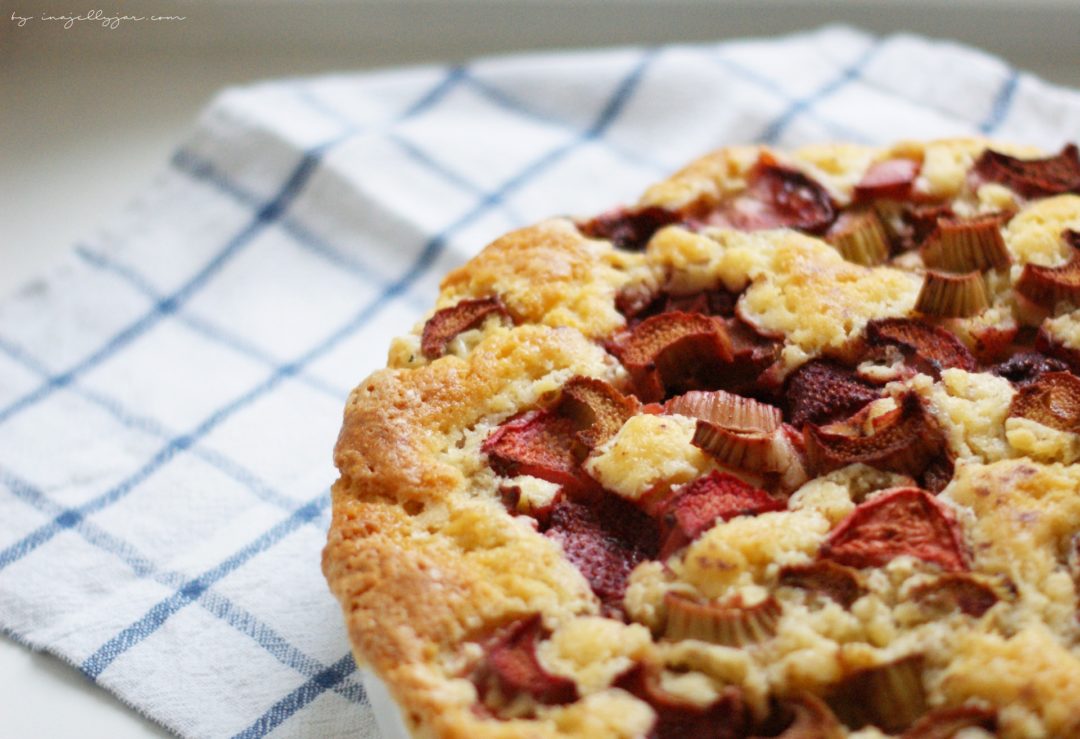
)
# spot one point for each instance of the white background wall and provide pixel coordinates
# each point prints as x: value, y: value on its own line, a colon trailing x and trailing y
x: 87, y: 115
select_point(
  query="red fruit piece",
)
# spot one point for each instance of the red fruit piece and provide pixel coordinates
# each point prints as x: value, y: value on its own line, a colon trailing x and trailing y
x: 905, y: 440
x: 637, y: 305
x: 673, y: 352
x: 1032, y: 178
x: 1048, y: 286
x: 938, y: 473
x: 715, y: 302
x: 822, y: 391
x: 550, y: 444
x: 994, y: 343
x: 537, y: 443
x: 828, y: 578
x: 1052, y: 400
x: 694, y: 508
x: 629, y: 228
x: 956, y: 592
x: 946, y: 723
x: 1021, y: 369
x: 891, y: 179
x: 752, y: 354
x: 897, y: 522
x: 778, y: 197
x: 511, y: 668
x: 605, y: 541
x: 929, y: 349
x: 917, y: 223
x: 447, y: 323
x: 1050, y: 346
x: 727, y: 718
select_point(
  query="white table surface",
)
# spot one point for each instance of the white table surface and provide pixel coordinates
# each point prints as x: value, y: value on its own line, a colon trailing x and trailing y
x: 88, y: 116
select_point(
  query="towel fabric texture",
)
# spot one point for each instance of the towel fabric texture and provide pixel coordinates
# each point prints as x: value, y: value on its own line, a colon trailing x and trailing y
x: 170, y: 395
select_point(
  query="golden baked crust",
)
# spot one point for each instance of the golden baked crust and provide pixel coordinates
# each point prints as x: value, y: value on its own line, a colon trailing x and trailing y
x: 429, y: 563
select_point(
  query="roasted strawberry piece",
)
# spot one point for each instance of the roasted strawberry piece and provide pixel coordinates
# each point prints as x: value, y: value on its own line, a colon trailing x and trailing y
x: 1047, y: 344
x: 1050, y: 286
x: 1021, y: 369
x: 715, y: 302
x: 605, y: 540
x: 1052, y: 400
x: 511, y: 668
x: 905, y: 440
x: 674, y: 352
x: 537, y: 443
x: 929, y: 349
x: 894, y: 523
x: 995, y: 343
x: 752, y: 355
x: 938, y: 473
x: 694, y: 508
x: 447, y: 323
x: 955, y: 591
x: 803, y: 716
x: 779, y: 197
x: 727, y: 718
x: 915, y: 224
x: 828, y: 578
x: 890, y: 696
x: 822, y: 391
x: 1031, y: 178
x: 550, y: 444
x: 891, y: 179
x: 946, y: 723
x: 637, y: 303
x: 629, y: 228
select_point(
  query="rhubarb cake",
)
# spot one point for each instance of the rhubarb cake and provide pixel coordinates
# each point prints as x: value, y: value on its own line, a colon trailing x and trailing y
x: 788, y: 448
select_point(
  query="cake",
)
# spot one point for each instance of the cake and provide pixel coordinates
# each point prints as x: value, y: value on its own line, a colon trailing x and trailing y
x: 788, y: 448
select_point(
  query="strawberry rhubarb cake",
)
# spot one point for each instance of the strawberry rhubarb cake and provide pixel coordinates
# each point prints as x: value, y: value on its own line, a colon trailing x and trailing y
x: 790, y: 448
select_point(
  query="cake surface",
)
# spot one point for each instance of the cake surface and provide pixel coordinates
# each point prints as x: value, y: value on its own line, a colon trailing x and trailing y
x: 791, y: 447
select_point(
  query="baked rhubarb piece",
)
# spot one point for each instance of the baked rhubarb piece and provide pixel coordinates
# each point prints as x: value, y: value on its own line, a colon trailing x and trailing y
x: 788, y: 448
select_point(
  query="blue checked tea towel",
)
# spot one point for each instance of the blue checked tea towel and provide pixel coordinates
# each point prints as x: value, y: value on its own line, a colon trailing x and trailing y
x: 169, y: 396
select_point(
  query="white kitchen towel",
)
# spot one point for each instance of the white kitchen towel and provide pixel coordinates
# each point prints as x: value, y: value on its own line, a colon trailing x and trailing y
x: 170, y: 396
